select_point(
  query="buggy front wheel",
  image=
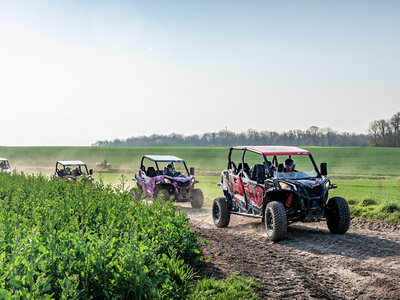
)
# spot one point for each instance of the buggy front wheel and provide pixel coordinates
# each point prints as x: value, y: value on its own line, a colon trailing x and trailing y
x: 220, y: 213
x: 275, y: 221
x: 338, y: 215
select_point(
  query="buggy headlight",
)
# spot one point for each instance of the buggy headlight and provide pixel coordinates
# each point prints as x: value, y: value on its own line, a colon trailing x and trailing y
x: 166, y: 180
x: 327, y: 185
x: 285, y: 186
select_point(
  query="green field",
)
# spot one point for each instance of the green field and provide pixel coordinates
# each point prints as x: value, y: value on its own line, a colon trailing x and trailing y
x: 368, y: 177
x: 363, y: 161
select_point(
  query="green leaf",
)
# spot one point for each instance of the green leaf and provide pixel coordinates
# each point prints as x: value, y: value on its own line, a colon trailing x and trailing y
x: 5, y: 295
x: 43, y: 249
x: 15, y: 283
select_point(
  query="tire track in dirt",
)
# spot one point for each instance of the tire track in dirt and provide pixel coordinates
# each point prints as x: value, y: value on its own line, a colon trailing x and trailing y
x: 310, y: 263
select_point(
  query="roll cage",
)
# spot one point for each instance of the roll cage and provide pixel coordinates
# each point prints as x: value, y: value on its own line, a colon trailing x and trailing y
x: 162, y: 158
x: 272, y: 151
x: 62, y: 165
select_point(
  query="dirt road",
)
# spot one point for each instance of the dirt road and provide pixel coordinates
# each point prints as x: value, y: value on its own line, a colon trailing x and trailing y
x: 311, y: 263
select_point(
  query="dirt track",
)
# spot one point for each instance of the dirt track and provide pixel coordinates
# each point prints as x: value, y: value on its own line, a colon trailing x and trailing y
x: 311, y: 263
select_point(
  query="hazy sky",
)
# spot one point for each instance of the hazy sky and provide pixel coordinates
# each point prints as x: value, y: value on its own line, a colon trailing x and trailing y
x: 73, y: 72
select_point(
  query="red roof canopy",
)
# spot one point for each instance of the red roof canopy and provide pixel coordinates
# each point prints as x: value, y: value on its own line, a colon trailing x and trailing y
x: 274, y: 150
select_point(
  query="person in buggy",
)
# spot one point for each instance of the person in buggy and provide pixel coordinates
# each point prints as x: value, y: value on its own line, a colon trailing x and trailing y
x: 289, y: 165
x: 76, y: 172
x: 169, y: 170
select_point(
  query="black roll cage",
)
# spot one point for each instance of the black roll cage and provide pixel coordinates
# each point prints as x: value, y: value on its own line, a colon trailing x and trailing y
x: 275, y: 159
x: 158, y: 169
x: 57, y: 169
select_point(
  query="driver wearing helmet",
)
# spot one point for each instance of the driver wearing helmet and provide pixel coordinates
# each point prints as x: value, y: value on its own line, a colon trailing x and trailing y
x: 76, y: 172
x: 289, y: 165
x: 170, y: 171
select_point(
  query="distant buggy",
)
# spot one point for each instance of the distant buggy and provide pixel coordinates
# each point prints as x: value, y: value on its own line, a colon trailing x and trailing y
x: 73, y: 170
x: 4, y: 166
x: 103, y: 164
x: 153, y: 182
x: 274, y: 191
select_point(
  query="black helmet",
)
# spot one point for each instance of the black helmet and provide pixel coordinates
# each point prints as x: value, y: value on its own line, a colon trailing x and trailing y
x: 290, y: 163
x: 170, y: 168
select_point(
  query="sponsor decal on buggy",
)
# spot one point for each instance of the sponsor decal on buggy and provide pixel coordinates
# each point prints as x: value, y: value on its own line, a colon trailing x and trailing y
x: 255, y: 195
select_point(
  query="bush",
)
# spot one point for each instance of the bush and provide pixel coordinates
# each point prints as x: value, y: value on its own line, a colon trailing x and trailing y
x: 352, y: 201
x: 68, y: 240
x: 390, y: 208
x: 368, y: 202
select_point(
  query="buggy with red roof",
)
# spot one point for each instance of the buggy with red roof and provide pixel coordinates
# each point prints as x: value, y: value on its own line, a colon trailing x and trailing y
x: 283, y: 185
x: 153, y: 182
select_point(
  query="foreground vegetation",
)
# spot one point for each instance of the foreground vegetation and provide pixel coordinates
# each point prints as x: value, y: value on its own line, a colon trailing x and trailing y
x: 67, y: 241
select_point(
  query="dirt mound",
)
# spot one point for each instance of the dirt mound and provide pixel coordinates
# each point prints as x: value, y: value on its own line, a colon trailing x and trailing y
x: 310, y: 263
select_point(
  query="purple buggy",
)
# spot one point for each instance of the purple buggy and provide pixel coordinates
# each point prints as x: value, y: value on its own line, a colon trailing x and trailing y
x: 153, y: 183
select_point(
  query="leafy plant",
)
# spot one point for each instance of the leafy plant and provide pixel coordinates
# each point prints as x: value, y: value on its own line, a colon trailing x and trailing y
x: 79, y: 241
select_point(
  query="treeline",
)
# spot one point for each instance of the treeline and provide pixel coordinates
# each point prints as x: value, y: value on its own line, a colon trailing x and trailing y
x: 313, y: 136
x: 386, y: 133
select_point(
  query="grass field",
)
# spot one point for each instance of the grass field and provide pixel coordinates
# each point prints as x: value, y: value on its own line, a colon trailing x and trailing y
x: 207, y: 161
x: 368, y: 177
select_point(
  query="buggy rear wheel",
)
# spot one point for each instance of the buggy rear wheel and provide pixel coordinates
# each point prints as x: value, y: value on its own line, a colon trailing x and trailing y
x: 196, y: 198
x: 220, y: 213
x: 338, y: 215
x: 163, y: 194
x: 275, y: 221
x: 136, y: 193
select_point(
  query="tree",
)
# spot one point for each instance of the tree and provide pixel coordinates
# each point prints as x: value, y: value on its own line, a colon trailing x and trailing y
x: 374, y: 132
x: 385, y: 133
x: 395, y: 125
x: 313, y: 136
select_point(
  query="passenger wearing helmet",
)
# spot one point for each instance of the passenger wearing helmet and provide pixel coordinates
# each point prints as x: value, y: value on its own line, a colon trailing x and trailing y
x: 289, y: 165
x: 67, y: 171
x: 76, y: 172
x: 170, y: 171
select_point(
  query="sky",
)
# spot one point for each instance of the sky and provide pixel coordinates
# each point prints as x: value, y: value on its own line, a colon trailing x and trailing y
x: 74, y: 72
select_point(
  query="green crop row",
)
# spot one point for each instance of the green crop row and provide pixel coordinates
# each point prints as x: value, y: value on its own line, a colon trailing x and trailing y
x: 64, y: 240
